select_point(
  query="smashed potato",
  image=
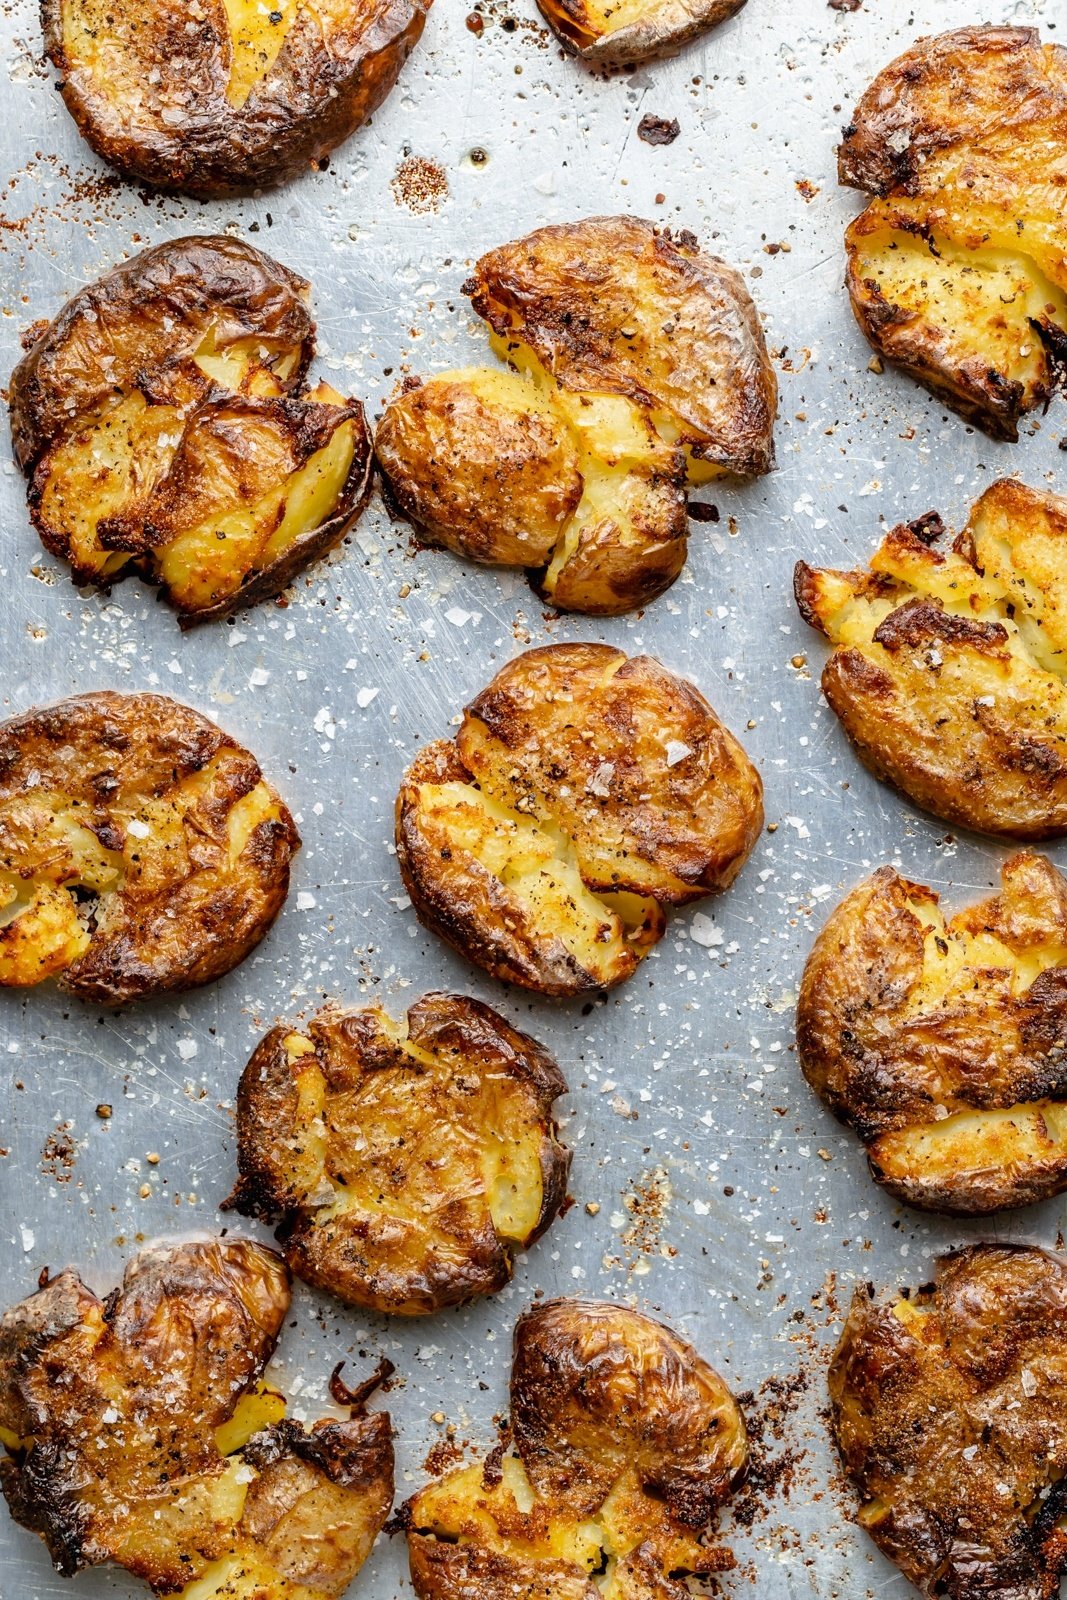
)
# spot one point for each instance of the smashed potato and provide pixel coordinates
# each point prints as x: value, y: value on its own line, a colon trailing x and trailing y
x: 165, y: 427
x: 141, y: 849
x: 583, y: 792
x: 944, y: 1044
x: 636, y: 366
x: 957, y: 270
x: 244, y: 96
x: 138, y: 1430
x: 950, y: 1411
x: 616, y: 33
x: 624, y: 1444
x: 948, y: 668
x: 406, y: 1163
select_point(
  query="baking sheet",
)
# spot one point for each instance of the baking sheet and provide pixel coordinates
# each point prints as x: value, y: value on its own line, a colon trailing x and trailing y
x: 729, y: 1201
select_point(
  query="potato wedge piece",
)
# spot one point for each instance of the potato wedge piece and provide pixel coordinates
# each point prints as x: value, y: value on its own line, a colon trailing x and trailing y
x: 950, y: 1411
x: 141, y: 849
x: 625, y: 1444
x: 616, y: 33
x: 583, y: 792
x: 138, y: 1431
x: 957, y: 271
x: 944, y: 1043
x: 949, y: 663
x: 637, y: 367
x: 165, y: 427
x: 406, y: 1162
x: 250, y: 96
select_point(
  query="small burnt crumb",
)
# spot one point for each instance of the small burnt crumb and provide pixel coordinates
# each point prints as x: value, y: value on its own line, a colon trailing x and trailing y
x: 103, y: 1111
x: 441, y: 1456
x: 419, y: 184
x: 845, y: 5
x: 57, y: 1155
x: 658, y: 130
x: 699, y: 511
x: 806, y: 188
x: 478, y: 156
x: 475, y: 22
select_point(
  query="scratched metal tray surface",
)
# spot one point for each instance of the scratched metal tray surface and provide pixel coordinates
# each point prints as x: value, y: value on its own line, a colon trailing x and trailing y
x: 710, y: 1186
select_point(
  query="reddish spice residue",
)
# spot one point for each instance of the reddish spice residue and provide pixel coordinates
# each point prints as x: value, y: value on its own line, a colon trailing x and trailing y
x: 443, y: 1455
x: 475, y: 23
x: 419, y: 184
x: 807, y: 189
x: 57, y: 1156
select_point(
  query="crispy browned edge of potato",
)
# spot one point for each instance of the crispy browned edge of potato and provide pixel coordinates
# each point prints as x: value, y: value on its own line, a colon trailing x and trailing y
x: 108, y: 983
x: 666, y: 28
x: 473, y: 922
x: 211, y: 267
x: 494, y: 286
x: 267, y: 1098
x: 899, y: 101
x: 311, y: 101
x: 847, y: 670
x: 901, y: 105
x: 843, y: 944
x: 867, y: 1340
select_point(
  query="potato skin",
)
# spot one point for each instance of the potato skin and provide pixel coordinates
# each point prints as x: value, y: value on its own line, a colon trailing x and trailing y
x: 137, y: 329
x: 567, y: 290
x: 170, y: 924
x: 891, y: 1047
x: 955, y: 136
x: 116, y: 1404
x: 624, y: 1439
x: 417, y: 1145
x: 946, y: 699
x: 157, y: 110
x: 664, y: 27
x: 936, y: 1414
x: 555, y: 717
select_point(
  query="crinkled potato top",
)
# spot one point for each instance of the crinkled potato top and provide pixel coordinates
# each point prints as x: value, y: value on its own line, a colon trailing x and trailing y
x: 165, y: 426
x: 141, y: 849
x: 616, y: 33
x: 611, y: 306
x: 949, y: 663
x: 406, y: 1161
x: 583, y: 792
x: 636, y: 368
x: 248, y: 96
x: 958, y: 269
x: 950, y: 1410
x: 624, y: 1445
x: 944, y: 1042
x: 138, y: 1430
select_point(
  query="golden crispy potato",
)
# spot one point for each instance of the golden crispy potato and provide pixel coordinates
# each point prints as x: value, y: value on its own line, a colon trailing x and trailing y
x: 406, y: 1163
x: 250, y: 95
x: 138, y: 1430
x: 637, y: 366
x: 957, y: 270
x: 616, y: 33
x: 948, y: 667
x: 950, y: 1411
x: 165, y: 427
x: 583, y: 792
x: 944, y: 1044
x: 141, y: 849
x: 624, y: 1444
